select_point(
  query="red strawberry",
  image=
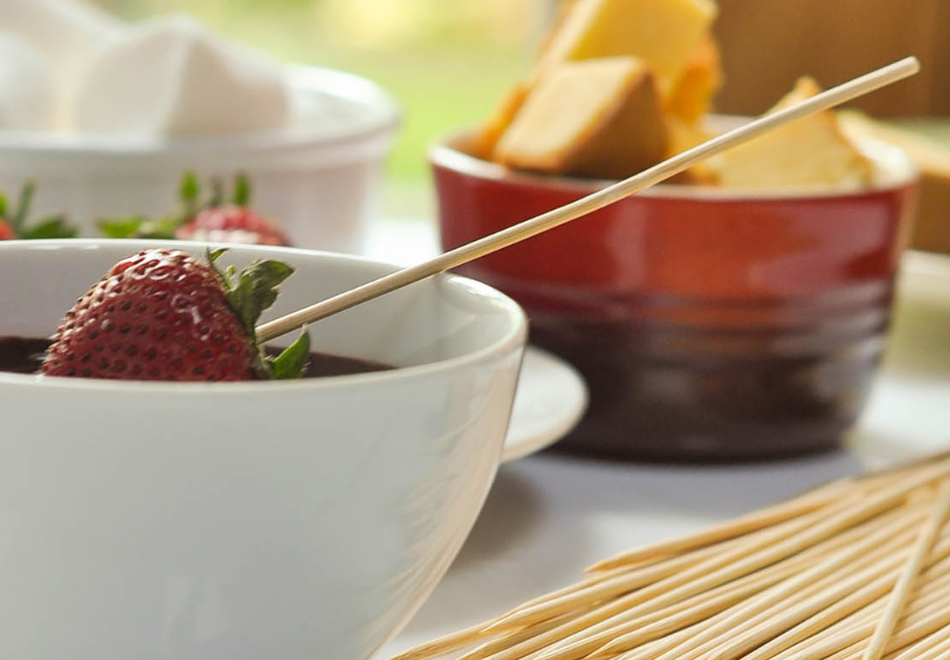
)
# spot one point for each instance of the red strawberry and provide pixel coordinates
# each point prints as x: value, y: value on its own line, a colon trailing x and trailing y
x: 6, y: 232
x: 163, y: 315
x: 231, y: 224
x: 215, y: 220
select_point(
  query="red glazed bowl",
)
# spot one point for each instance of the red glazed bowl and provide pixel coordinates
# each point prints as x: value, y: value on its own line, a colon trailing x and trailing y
x: 710, y: 324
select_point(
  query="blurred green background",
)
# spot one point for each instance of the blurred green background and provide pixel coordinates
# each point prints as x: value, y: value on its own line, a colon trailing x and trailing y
x: 446, y: 61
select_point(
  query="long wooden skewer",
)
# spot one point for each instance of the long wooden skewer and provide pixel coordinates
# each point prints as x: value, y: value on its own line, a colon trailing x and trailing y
x: 902, y: 589
x: 743, y: 525
x: 599, y: 199
x: 709, y: 574
x: 829, y: 592
x: 698, y: 578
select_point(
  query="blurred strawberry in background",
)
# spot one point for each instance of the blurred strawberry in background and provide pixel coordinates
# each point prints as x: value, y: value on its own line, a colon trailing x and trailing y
x: 14, y: 219
x: 222, y: 218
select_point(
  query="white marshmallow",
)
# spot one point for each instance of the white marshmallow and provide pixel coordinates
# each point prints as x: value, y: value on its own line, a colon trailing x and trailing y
x: 68, y: 33
x: 171, y: 76
x: 26, y: 86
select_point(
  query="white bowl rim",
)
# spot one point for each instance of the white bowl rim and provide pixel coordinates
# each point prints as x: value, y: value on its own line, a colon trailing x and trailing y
x: 514, y: 337
x: 385, y: 118
x: 895, y: 170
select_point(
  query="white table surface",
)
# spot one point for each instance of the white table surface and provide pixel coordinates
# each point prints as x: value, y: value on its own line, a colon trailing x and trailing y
x: 549, y: 516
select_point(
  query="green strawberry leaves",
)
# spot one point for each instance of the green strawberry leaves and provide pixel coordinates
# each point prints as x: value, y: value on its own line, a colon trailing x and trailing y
x: 16, y: 218
x: 254, y: 291
x: 242, y: 191
x: 53, y: 227
x: 189, y: 190
x: 138, y: 227
x: 190, y: 195
x: 293, y: 360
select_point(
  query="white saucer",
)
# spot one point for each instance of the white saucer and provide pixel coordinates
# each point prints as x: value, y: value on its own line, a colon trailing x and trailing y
x: 550, y: 400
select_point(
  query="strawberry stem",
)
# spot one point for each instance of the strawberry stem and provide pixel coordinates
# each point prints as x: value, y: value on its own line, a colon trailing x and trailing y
x: 255, y: 291
x: 242, y: 191
x: 292, y: 361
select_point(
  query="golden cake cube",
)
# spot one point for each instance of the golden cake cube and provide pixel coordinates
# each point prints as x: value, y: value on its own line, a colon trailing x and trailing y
x: 487, y: 136
x: 664, y: 33
x: 598, y: 118
x: 691, y: 97
x: 811, y: 151
x: 683, y: 136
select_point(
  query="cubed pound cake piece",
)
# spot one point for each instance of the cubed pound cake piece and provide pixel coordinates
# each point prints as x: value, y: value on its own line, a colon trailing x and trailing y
x: 598, y: 118
x: 812, y: 151
x: 685, y: 136
x: 691, y: 97
x: 487, y: 136
x: 664, y: 33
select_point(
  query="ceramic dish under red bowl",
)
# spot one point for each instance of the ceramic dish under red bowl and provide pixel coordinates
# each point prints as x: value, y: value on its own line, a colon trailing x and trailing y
x: 710, y: 324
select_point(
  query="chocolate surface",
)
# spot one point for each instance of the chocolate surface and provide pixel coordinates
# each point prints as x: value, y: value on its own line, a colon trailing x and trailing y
x: 24, y: 355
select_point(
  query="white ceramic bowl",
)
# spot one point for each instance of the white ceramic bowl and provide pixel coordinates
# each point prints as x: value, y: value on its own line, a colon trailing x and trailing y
x: 319, y: 177
x: 246, y: 520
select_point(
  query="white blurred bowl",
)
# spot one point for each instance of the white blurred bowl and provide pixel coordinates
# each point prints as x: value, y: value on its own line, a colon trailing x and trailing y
x: 243, y: 521
x: 320, y: 177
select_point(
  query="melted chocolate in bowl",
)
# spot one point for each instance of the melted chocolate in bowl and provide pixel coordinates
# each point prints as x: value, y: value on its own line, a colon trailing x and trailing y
x: 24, y: 355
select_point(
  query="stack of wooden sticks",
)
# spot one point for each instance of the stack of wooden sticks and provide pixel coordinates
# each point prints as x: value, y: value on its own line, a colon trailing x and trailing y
x: 856, y: 570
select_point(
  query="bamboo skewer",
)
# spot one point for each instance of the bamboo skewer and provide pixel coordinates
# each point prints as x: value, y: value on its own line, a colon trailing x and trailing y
x: 772, y: 601
x: 597, y: 587
x: 706, y: 575
x: 925, y: 648
x: 627, y: 636
x: 620, y: 584
x: 694, y: 580
x: 554, y: 218
x: 602, y: 624
x: 789, y: 644
x: 932, y: 600
x: 445, y: 644
x: 494, y: 646
x: 811, y: 607
x: 703, y: 651
x: 916, y: 625
x: 812, y: 579
x: 804, y: 621
x: 666, y: 621
x: 899, y: 598
x: 699, y: 579
x: 699, y: 563
x: 865, y: 596
x: 744, y: 525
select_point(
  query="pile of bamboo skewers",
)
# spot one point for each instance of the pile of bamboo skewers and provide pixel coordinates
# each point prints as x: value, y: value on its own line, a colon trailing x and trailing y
x: 858, y: 569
